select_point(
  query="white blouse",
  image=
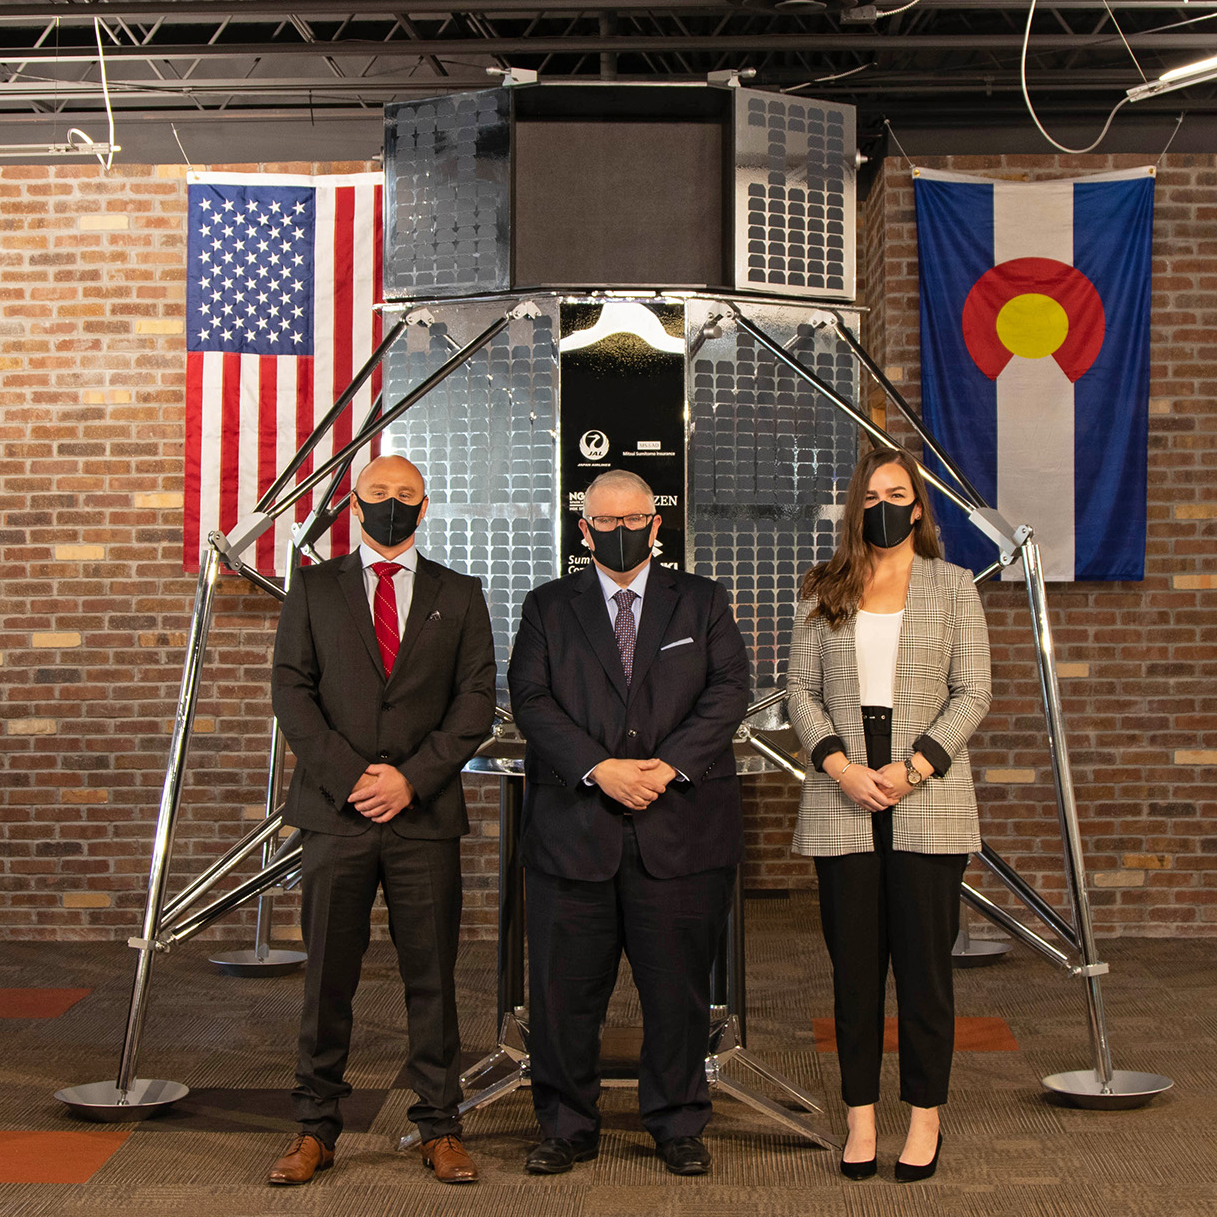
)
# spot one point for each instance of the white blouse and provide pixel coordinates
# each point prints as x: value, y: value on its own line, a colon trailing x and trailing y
x: 876, y: 642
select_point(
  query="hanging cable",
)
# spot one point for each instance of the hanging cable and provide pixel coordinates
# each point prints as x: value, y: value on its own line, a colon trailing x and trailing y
x: 1022, y: 75
x: 105, y: 90
x: 891, y: 12
x: 887, y: 122
x: 819, y: 80
x: 1171, y: 140
x: 185, y: 159
x: 1124, y: 40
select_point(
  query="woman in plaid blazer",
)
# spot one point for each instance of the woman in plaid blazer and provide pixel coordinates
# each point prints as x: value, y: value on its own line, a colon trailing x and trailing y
x: 888, y: 677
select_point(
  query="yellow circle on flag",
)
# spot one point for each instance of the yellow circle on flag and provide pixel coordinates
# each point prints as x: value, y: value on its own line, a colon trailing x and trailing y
x: 1032, y: 325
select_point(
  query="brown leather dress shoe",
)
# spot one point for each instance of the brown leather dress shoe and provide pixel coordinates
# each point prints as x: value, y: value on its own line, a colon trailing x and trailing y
x: 446, y: 1156
x: 304, y: 1158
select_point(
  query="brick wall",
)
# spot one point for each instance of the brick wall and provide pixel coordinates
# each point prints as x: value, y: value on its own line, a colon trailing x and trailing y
x: 94, y: 606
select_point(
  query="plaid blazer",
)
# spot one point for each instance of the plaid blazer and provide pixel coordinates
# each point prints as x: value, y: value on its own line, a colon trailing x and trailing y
x: 942, y: 690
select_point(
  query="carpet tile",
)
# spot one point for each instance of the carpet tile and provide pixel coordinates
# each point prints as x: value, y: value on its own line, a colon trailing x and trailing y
x: 39, y: 1003
x: 64, y: 1156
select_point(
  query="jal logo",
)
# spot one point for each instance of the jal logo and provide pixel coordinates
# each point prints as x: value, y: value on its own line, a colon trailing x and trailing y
x: 594, y: 445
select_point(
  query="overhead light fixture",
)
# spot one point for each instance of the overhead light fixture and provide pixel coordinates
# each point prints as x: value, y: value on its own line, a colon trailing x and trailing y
x: 1176, y: 78
x: 730, y: 77
x: 27, y: 151
x: 86, y: 146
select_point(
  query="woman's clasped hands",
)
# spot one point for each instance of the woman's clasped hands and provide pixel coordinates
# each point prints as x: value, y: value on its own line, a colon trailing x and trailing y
x: 869, y: 788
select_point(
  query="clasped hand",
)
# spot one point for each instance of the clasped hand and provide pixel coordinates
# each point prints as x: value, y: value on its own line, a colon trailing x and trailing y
x: 875, y: 789
x: 381, y: 792
x: 636, y: 784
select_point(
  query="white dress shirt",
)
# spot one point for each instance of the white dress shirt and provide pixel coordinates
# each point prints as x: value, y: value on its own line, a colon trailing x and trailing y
x: 403, y: 580
x: 638, y: 586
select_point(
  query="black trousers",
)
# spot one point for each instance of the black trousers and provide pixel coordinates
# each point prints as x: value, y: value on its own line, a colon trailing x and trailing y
x: 577, y: 929
x: 903, y: 908
x: 421, y: 881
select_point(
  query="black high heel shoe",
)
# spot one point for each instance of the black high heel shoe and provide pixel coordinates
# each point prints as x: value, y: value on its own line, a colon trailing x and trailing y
x: 858, y: 1170
x: 907, y: 1173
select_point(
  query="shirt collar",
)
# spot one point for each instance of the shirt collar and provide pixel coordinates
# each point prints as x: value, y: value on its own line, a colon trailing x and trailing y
x: 407, y: 561
x: 638, y: 584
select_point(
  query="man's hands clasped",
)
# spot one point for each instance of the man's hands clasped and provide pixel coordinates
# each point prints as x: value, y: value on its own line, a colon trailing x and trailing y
x: 635, y: 784
x: 381, y: 792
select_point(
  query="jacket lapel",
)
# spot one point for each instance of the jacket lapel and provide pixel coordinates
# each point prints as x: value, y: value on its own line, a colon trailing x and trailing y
x: 657, y: 607
x: 592, y: 614
x: 918, y: 615
x: 350, y: 579
x: 426, y: 592
x: 848, y: 688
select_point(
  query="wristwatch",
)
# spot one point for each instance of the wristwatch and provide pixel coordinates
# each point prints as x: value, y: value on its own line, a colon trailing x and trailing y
x: 912, y: 774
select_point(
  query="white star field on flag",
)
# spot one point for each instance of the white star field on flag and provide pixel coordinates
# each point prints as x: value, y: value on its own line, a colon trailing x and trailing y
x: 251, y: 272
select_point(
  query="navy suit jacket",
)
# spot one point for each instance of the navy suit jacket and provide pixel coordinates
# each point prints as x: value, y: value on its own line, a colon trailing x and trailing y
x: 339, y: 713
x: 687, y: 697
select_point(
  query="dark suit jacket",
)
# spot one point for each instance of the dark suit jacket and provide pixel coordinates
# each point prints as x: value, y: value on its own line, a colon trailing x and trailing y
x: 570, y: 700
x: 340, y: 714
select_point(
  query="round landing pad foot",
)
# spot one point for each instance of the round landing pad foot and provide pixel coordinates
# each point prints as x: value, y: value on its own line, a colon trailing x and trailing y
x: 104, y: 1102
x: 1084, y: 1088
x: 250, y: 963
x: 979, y: 953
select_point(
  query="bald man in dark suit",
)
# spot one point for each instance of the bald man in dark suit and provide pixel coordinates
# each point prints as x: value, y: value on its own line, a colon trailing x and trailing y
x: 384, y: 687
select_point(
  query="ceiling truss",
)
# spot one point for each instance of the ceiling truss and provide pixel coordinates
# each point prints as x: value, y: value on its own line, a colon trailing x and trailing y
x: 940, y: 61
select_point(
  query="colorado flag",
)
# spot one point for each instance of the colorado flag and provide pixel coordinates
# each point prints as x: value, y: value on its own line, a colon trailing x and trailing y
x: 1035, y: 302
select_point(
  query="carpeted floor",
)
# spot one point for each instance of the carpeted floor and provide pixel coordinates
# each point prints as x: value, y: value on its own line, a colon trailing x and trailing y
x: 1008, y: 1149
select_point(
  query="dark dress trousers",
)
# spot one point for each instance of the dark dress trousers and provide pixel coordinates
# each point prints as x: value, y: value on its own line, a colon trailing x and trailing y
x: 900, y: 908
x: 339, y: 713
x: 656, y: 883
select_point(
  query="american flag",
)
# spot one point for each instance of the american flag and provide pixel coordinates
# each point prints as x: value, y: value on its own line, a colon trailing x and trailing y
x: 282, y: 276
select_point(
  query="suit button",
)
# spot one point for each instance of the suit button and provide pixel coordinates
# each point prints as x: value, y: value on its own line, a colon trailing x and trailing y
x: 384, y: 756
x: 631, y: 733
x: 386, y: 705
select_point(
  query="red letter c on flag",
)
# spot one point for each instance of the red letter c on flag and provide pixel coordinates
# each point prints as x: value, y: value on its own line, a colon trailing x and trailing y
x: 1033, y: 307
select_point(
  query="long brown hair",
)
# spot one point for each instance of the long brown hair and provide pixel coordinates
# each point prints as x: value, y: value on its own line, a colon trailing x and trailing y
x: 838, y: 583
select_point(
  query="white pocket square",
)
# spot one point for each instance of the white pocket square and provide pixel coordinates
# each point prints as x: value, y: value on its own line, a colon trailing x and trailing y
x: 680, y: 642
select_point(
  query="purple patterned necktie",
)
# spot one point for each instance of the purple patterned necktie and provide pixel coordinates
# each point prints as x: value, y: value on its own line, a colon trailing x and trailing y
x: 623, y: 627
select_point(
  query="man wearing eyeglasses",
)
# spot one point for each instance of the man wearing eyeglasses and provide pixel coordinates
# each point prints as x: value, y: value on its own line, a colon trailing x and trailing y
x: 628, y: 681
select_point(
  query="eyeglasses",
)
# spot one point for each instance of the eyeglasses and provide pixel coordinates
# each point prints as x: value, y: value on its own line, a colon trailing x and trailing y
x: 634, y: 521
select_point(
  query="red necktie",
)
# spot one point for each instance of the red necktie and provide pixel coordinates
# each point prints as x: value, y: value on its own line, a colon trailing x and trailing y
x: 384, y: 613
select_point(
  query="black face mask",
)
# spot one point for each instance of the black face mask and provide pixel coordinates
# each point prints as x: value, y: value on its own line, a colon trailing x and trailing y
x: 622, y: 548
x: 885, y: 525
x: 390, y: 522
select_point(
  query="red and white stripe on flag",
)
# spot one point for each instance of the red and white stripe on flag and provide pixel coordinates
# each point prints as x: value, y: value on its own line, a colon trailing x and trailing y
x: 249, y: 412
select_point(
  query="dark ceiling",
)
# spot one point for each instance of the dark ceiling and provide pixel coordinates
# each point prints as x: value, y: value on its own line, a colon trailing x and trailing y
x: 265, y: 80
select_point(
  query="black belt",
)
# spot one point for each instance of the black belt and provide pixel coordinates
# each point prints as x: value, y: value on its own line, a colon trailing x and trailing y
x: 877, y: 719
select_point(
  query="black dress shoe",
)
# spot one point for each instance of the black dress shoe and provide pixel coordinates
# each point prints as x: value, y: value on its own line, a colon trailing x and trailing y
x: 556, y: 1155
x: 684, y: 1155
x: 859, y: 1170
x: 907, y: 1173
